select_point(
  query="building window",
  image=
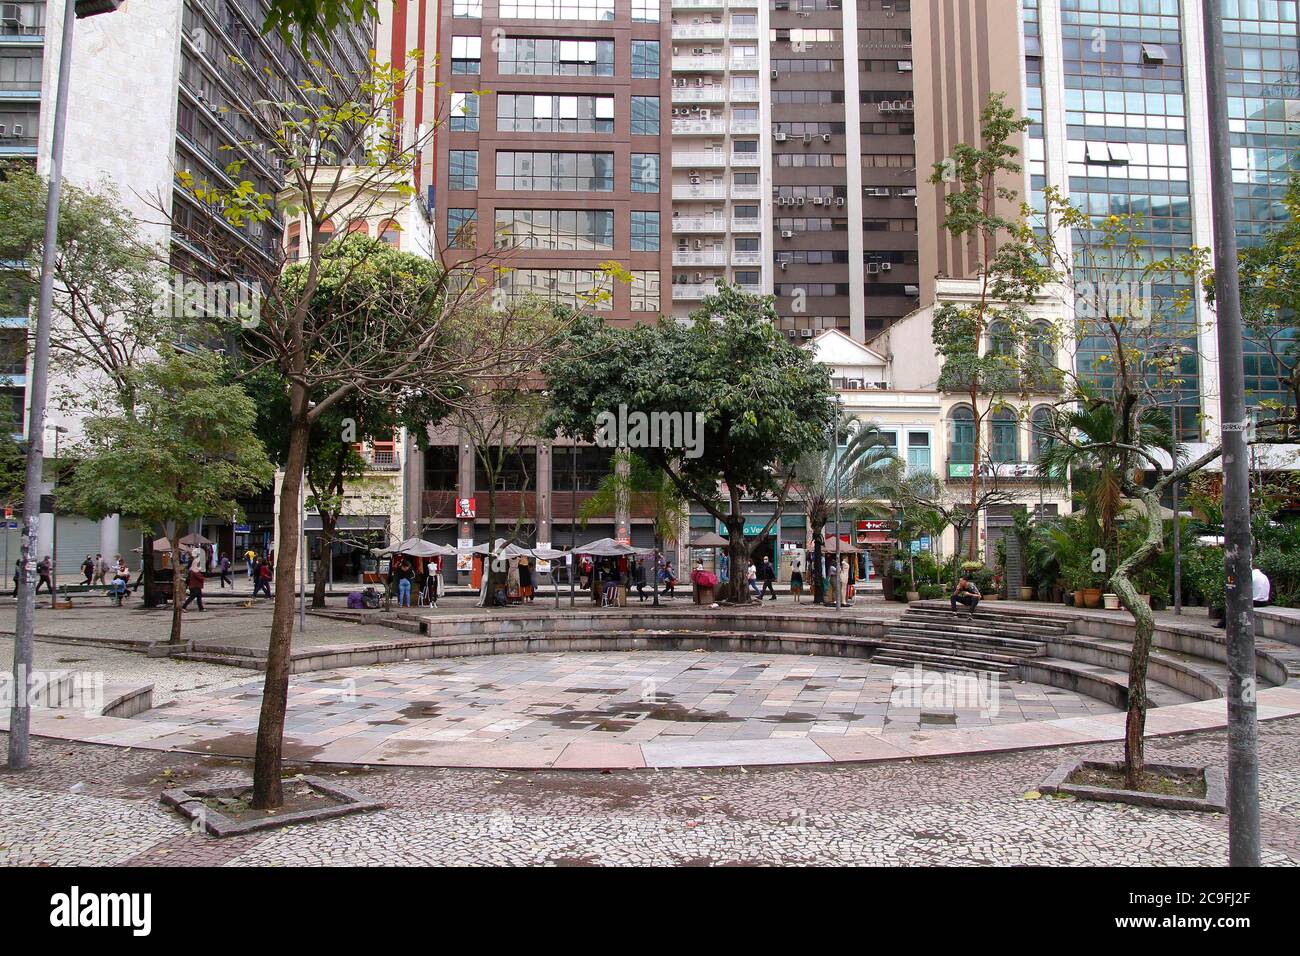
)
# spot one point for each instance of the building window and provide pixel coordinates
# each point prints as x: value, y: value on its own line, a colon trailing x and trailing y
x: 645, y: 172
x: 462, y: 228
x: 645, y: 11
x: 462, y: 169
x: 557, y: 10
x: 645, y: 116
x: 464, y: 112
x: 918, y: 453
x: 466, y: 55
x: 1038, y: 432
x: 545, y: 113
x: 645, y: 59
x: 592, y: 466
x: 645, y: 231
x: 555, y: 172
x: 442, y: 468
x: 391, y: 233
x: 467, y: 9
x: 557, y: 230
x: 526, y: 56
x: 578, y: 288
x: 516, y: 469
x: 645, y: 291
x: 1004, y: 444
x: 961, y: 422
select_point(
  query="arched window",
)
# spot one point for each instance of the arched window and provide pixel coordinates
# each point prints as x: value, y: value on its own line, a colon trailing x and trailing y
x: 961, y: 427
x: 1004, y: 443
x: 1003, y: 373
x: 391, y: 233
x: 359, y: 225
x: 293, y: 241
x: 1042, y: 346
x: 1038, y: 434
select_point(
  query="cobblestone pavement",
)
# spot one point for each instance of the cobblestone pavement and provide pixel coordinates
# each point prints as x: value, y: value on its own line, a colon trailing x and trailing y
x: 83, y: 804
x: 551, y: 700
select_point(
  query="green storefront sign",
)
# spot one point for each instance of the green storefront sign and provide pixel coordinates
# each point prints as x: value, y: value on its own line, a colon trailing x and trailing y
x: 960, y: 471
x: 751, y: 530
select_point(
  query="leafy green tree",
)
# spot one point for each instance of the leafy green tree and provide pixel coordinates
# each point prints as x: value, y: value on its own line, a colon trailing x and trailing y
x: 188, y: 450
x: 109, y: 316
x: 990, y: 345
x: 761, y: 402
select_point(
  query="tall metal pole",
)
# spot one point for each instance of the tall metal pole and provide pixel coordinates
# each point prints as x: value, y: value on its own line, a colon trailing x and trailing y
x: 573, y: 524
x: 54, y: 525
x: 302, y: 555
x: 24, y: 626
x: 835, y: 450
x: 1178, y: 533
x: 1243, y: 741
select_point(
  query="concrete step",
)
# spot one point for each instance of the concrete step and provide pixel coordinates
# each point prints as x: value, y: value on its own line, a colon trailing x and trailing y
x: 974, y: 635
x: 939, y: 663
x: 985, y: 613
x: 958, y: 650
x: 993, y: 622
x: 249, y: 663
x: 1159, y: 695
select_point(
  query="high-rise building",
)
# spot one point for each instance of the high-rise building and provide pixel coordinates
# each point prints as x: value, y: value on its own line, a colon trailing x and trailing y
x: 1117, y: 92
x: 721, y: 158
x: 843, y: 165
x: 153, y: 90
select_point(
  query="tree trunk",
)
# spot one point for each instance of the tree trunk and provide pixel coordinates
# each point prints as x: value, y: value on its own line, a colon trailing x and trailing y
x: 268, y: 793
x: 146, y: 567
x: 819, y: 580
x: 328, y: 524
x: 972, y: 547
x: 738, y: 556
x: 1143, y: 629
x: 178, y: 583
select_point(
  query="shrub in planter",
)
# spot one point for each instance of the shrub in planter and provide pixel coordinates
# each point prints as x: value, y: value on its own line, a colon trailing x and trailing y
x: 932, y: 592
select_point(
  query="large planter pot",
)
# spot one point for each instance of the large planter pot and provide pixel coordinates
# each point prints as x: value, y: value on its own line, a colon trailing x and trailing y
x: 1111, y: 601
x: 1026, y: 594
x: 1216, y: 613
x: 1091, y: 597
x: 913, y: 596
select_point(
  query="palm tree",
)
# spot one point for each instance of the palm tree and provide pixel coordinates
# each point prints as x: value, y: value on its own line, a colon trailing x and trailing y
x: 629, y: 475
x: 1098, y: 475
x: 848, y: 474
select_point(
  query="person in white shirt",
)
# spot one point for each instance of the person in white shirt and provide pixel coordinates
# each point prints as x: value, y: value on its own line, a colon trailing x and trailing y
x: 1261, y: 590
x: 1260, y: 587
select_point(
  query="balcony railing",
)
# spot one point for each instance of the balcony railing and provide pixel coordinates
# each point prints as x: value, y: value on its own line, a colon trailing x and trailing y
x: 713, y: 257
x: 744, y: 127
x: 744, y: 64
x: 745, y: 159
x: 743, y: 96
x: 710, y: 93
x: 689, y: 224
x: 746, y: 258
x: 745, y: 192
x: 692, y: 291
x: 746, y: 225
x: 699, y: 31
x: 385, y: 460
x: 701, y: 191
x: 699, y: 64
x: 699, y: 4
x: 710, y: 159
x: 698, y: 127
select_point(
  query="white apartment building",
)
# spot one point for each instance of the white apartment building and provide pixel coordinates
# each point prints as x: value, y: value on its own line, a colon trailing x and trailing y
x: 721, y: 161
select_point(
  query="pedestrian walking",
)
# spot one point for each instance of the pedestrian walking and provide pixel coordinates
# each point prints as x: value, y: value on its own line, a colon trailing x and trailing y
x: 767, y: 574
x: 751, y: 578
x: 194, y: 583
x: 668, y: 579
x: 262, y: 579
x: 404, y: 576
x: 18, y: 570
x: 88, y: 569
x: 250, y: 558
x: 638, y: 578
x: 43, y: 569
x: 101, y: 571
x: 223, y: 568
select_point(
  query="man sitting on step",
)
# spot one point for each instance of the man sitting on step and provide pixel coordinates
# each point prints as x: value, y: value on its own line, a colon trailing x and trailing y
x: 966, y: 594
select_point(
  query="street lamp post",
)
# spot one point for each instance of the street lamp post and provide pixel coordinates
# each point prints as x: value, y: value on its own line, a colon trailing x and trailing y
x: 835, y: 450
x: 24, y: 625
x: 54, y: 521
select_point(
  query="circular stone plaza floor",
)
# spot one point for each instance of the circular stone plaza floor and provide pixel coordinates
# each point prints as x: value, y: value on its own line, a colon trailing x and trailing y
x: 523, y: 709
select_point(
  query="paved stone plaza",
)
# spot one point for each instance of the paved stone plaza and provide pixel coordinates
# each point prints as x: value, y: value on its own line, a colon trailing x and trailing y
x: 552, y: 700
